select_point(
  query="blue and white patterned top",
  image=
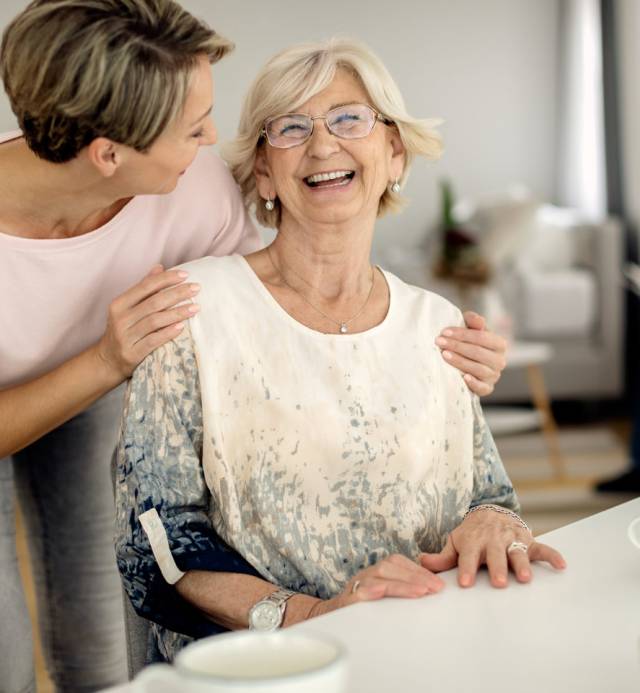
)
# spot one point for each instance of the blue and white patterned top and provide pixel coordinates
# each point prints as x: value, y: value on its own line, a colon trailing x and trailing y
x: 310, y: 455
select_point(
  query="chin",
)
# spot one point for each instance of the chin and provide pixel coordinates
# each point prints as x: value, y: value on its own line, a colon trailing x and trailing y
x: 167, y: 187
x: 336, y: 214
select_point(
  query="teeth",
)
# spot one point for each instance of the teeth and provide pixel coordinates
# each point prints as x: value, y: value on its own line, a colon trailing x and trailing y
x: 320, y: 177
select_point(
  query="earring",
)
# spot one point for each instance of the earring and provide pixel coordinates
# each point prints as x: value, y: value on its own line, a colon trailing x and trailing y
x: 395, y: 187
x: 268, y: 205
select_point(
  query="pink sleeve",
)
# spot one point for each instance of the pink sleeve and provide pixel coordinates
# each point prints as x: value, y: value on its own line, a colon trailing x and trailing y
x: 237, y: 233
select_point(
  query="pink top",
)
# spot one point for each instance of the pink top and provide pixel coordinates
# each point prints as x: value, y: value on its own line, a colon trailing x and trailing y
x: 54, y: 294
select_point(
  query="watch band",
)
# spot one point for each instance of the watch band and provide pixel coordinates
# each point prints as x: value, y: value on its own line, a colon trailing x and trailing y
x: 280, y: 596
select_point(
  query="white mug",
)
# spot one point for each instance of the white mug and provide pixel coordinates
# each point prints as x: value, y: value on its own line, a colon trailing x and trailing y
x: 633, y: 533
x: 251, y: 662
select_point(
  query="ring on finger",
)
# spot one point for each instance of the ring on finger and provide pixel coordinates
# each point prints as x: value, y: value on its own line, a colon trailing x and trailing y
x: 517, y: 546
x: 354, y: 587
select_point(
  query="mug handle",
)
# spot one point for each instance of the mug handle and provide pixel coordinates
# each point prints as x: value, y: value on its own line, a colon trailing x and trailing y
x: 154, y: 674
x: 631, y: 532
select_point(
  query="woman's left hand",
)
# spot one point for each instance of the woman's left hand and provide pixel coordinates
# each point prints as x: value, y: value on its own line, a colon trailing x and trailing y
x: 486, y: 538
x: 475, y: 351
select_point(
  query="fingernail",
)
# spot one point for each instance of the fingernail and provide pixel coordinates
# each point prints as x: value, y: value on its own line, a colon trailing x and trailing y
x: 465, y: 580
x: 178, y: 326
x: 525, y: 574
x: 193, y: 309
x: 501, y: 580
x: 182, y: 274
x: 448, y: 333
x: 441, y: 341
x: 447, y: 354
x: 194, y: 288
x: 467, y: 377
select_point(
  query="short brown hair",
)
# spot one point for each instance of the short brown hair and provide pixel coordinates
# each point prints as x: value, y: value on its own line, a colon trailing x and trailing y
x: 75, y: 70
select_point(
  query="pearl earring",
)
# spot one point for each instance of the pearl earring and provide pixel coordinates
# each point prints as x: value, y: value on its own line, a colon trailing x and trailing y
x: 395, y: 187
x: 268, y: 205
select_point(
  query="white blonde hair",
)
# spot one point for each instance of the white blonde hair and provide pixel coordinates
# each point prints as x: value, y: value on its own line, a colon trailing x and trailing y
x: 295, y: 75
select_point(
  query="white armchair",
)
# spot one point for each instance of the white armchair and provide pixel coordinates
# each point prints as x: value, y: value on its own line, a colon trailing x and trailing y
x: 565, y: 288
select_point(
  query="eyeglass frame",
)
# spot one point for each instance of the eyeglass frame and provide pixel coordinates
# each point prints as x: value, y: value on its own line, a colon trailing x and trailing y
x: 378, y: 117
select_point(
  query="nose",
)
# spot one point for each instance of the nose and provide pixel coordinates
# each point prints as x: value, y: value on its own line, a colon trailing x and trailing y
x: 210, y: 132
x: 322, y: 144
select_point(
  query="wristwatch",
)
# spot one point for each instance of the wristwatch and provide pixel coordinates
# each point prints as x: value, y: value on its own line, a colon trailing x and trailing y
x: 268, y: 613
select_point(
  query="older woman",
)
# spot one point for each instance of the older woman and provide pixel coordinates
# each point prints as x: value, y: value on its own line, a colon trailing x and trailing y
x: 106, y: 177
x: 306, y: 413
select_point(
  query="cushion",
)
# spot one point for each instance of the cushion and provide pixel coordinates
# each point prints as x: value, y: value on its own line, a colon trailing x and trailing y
x: 557, y: 241
x: 561, y: 303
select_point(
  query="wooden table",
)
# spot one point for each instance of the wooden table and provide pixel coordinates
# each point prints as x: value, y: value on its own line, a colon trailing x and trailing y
x: 530, y: 356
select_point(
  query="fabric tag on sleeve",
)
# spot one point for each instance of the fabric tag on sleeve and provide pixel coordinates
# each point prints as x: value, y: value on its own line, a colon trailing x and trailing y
x: 152, y: 525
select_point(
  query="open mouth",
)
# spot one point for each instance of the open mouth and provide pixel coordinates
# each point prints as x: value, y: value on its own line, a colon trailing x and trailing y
x: 328, y: 180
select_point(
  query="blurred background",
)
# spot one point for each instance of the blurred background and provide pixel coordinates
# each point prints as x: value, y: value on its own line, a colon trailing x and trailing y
x: 531, y: 216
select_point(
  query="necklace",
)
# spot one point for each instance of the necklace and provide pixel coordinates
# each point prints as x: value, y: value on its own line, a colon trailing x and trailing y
x: 342, y: 324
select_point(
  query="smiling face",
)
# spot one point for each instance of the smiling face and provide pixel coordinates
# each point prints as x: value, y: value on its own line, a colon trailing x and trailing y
x: 159, y: 169
x: 327, y: 179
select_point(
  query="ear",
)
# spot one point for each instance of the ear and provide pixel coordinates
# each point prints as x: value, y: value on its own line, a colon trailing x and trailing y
x: 262, y: 172
x: 398, y: 154
x: 105, y: 155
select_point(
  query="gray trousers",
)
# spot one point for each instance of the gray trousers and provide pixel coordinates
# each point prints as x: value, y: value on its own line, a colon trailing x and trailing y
x: 63, y: 484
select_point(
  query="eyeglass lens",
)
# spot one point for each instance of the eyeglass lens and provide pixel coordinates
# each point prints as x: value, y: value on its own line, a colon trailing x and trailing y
x: 349, y: 122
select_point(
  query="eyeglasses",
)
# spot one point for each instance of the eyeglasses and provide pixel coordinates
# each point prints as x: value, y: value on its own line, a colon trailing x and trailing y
x: 350, y: 122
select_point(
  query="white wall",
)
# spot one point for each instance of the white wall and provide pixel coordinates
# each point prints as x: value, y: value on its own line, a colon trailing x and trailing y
x: 628, y: 25
x: 7, y: 10
x: 488, y: 67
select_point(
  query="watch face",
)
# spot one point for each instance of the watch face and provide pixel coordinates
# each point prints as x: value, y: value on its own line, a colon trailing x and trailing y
x: 265, y: 616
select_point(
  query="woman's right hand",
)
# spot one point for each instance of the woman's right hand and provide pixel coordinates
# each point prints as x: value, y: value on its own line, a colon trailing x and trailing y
x: 145, y: 317
x: 393, y: 576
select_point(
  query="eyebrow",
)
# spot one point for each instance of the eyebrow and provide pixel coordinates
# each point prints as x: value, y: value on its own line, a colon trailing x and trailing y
x: 335, y: 105
x: 204, y: 115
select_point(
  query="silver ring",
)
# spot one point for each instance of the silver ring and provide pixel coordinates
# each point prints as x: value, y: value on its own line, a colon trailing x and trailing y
x: 354, y: 587
x: 517, y: 546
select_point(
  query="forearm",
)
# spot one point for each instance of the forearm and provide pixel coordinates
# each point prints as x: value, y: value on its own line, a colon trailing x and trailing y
x: 491, y: 483
x: 226, y: 598
x: 31, y: 410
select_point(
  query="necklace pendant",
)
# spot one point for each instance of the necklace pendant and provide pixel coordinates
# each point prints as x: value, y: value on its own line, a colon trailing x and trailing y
x: 343, y: 328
